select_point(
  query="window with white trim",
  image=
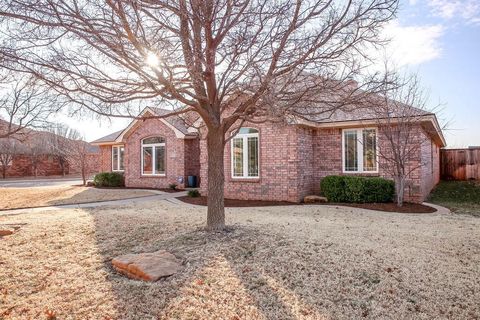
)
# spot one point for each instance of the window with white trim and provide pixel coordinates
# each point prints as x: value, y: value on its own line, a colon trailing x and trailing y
x: 153, y: 156
x: 245, y: 154
x: 360, y: 150
x: 117, y: 158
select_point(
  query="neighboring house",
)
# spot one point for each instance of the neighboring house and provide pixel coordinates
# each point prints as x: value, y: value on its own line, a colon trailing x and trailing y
x: 268, y: 161
x: 29, y: 154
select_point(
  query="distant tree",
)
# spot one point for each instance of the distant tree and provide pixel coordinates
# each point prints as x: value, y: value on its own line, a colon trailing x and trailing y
x: 197, y: 55
x: 80, y: 156
x: 25, y: 104
x: 60, y: 143
x: 36, y: 148
x: 8, y: 150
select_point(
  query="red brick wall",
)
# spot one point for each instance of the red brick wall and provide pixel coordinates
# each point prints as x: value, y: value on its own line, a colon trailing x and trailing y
x: 105, y: 158
x: 178, y: 161
x: 192, y: 158
x: 278, y: 166
x: 430, y: 170
x: 293, y: 160
x: 21, y: 166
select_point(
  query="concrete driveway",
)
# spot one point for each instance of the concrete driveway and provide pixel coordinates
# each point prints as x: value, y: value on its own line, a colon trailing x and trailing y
x: 40, y: 182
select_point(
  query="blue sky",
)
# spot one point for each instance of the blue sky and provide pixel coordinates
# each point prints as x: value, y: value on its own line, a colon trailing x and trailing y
x: 443, y: 41
x: 439, y: 40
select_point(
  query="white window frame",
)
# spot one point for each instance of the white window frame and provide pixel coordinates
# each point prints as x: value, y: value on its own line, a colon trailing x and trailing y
x: 154, y: 158
x: 245, y: 137
x: 359, y: 132
x: 118, y: 158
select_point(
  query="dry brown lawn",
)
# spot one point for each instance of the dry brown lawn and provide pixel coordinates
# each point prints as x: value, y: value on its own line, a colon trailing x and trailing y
x: 295, y: 262
x: 11, y: 198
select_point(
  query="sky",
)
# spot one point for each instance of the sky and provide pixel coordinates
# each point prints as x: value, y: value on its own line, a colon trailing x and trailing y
x: 437, y: 39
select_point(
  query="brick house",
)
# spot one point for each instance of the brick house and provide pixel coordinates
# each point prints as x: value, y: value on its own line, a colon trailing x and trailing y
x: 268, y: 161
x: 28, y: 154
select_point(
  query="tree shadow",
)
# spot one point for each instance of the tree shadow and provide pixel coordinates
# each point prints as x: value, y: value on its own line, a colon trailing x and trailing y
x: 223, y: 275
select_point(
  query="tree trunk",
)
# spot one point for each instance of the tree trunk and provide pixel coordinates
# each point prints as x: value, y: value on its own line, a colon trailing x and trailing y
x: 84, y: 178
x: 400, y: 189
x: 4, y: 172
x: 216, y: 180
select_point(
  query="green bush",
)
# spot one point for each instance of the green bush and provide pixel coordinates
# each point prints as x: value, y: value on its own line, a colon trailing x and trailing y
x: 357, y: 189
x: 193, y: 193
x: 173, y: 186
x: 109, y: 179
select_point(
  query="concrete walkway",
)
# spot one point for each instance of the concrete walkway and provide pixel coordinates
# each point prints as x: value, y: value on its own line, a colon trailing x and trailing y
x: 159, y: 195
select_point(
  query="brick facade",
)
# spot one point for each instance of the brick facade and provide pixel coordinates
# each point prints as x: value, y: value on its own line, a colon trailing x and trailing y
x: 21, y: 166
x: 182, y: 156
x: 294, y: 159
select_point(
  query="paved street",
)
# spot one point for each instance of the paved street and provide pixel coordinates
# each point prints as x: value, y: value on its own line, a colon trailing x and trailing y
x: 40, y: 182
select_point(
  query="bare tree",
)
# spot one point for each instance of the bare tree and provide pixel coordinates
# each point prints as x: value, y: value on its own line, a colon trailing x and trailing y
x: 60, y: 143
x: 8, y: 150
x: 400, y: 113
x: 80, y: 156
x: 112, y: 57
x: 25, y: 104
x: 36, y: 149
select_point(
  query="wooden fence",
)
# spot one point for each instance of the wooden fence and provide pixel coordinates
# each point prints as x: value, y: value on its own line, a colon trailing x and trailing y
x: 460, y: 164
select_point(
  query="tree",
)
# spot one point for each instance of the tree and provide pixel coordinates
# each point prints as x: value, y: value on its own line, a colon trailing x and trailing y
x: 8, y: 150
x: 400, y: 111
x: 25, y: 104
x: 79, y: 155
x: 35, y: 149
x: 110, y: 57
x: 60, y: 143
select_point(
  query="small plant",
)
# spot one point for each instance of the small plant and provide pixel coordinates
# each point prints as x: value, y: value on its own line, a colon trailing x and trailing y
x: 193, y: 193
x: 109, y: 179
x: 173, y: 186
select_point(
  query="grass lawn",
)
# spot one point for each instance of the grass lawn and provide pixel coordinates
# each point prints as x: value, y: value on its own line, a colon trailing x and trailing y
x: 290, y: 262
x: 458, y: 196
x: 11, y: 198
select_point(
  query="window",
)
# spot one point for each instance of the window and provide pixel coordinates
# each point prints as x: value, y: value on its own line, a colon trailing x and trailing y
x: 153, y: 156
x: 117, y: 158
x: 360, y: 150
x: 245, y: 162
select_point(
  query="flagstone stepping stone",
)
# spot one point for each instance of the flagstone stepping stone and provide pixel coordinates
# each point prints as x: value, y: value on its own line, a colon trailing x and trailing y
x: 149, y: 266
x: 6, y: 231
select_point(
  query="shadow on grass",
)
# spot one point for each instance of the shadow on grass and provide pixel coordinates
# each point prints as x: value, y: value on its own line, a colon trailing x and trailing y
x: 226, y: 275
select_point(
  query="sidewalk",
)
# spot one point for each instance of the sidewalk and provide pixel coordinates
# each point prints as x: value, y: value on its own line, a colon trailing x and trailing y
x: 158, y: 196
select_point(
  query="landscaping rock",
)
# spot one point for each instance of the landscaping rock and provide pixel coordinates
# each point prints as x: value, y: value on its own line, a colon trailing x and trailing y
x: 149, y: 266
x: 314, y: 198
x: 6, y: 231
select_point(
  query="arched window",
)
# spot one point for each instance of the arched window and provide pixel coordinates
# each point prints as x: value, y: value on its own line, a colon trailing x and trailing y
x: 153, y: 156
x: 245, y: 155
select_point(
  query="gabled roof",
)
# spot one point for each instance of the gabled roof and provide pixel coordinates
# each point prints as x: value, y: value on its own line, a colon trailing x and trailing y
x: 108, y: 138
x: 174, y: 122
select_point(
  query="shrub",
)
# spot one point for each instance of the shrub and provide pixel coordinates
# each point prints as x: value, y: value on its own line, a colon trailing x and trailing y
x: 173, y: 186
x: 357, y: 189
x: 193, y: 193
x: 109, y: 179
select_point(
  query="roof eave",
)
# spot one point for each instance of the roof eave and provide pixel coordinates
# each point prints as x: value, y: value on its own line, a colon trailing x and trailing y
x: 366, y: 122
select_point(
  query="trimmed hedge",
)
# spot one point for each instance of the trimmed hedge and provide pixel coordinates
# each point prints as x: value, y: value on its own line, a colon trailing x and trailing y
x: 357, y: 189
x: 109, y: 179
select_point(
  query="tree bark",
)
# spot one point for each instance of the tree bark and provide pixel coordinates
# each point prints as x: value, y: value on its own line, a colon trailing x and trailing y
x: 4, y: 172
x: 216, y: 180
x: 400, y: 189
